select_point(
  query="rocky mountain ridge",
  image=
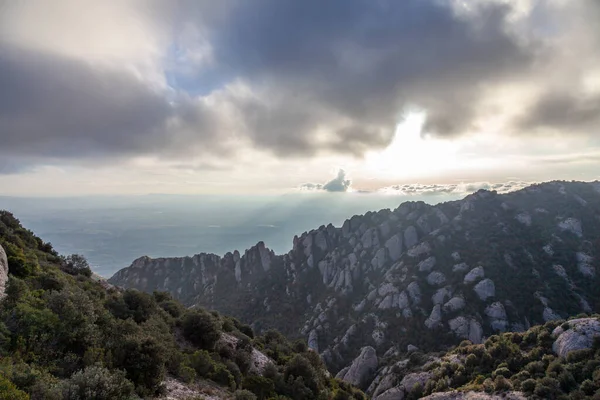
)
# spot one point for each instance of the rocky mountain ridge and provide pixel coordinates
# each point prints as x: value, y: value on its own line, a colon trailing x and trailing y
x: 420, y: 275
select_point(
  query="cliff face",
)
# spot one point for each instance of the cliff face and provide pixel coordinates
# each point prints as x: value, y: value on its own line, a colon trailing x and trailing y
x: 3, y: 271
x: 420, y: 275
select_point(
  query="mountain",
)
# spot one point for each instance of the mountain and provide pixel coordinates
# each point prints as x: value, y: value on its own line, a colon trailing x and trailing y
x: 66, y: 334
x: 420, y: 275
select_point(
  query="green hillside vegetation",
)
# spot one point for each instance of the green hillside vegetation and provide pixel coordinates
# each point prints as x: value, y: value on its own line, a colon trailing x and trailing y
x: 520, y: 361
x: 65, y: 335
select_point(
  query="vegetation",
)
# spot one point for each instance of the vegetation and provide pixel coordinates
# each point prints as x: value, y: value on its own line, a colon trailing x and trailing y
x: 67, y: 335
x: 522, y: 361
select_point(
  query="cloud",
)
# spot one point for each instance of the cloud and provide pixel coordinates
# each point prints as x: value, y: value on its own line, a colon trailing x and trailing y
x: 200, y: 82
x: 459, y: 189
x: 337, y: 184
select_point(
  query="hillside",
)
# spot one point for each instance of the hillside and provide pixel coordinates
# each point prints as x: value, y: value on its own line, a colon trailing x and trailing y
x: 67, y: 335
x: 420, y: 275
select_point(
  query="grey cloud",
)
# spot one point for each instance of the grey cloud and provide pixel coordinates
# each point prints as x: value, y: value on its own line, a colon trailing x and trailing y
x: 363, y: 62
x: 55, y: 107
x: 330, y: 77
x: 563, y: 111
x: 337, y: 184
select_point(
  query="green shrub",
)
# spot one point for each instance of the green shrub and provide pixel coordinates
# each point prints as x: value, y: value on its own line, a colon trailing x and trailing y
x: 261, y: 386
x: 8, y: 391
x: 501, y: 384
x: 244, y: 395
x: 202, y: 362
x: 222, y: 376
x: 187, y: 374
x: 97, y: 383
x: 528, y: 385
x: 201, y: 328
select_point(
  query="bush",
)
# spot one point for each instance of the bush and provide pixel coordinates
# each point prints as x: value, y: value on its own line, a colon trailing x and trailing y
x: 528, y: 386
x: 244, y: 395
x: 501, y: 384
x: 97, y: 383
x: 202, y: 363
x: 262, y: 387
x: 202, y: 329
x: 8, y: 391
x: 187, y: 374
x: 222, y: 376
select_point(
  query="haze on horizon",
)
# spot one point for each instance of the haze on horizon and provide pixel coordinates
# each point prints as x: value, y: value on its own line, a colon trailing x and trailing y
x: 270, y: 97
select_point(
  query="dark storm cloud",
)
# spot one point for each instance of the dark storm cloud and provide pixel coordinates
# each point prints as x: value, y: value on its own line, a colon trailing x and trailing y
x: 56, y: 107
x: 291, y: 78
x: 564, y: 111
x: 364, y: 61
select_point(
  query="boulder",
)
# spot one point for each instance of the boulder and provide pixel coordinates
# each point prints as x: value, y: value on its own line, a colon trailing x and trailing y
x: 474, y: 275
x: 410, y: 237
x: 313, y: 340
x: 3, y: 271
x: 427, y: 264
x: 362, y: 368
x: 454, y: 304
x: 460, y: 267
x: 395, y: 393
x: 435, y: 318
x: 410, y: 380
x: 455, y: 395
x: 441, y: 295
x: 414, y: 292
x: 394, y: 247
x: 572, y: 225
x: 580, y: 335
x: 436, y: 278
x: 485, y: 289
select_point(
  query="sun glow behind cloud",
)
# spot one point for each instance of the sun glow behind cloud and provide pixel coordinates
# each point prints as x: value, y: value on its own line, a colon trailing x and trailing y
x: 413, y: 154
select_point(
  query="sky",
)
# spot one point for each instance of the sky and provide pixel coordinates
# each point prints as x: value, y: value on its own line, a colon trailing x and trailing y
x: 278, y: 96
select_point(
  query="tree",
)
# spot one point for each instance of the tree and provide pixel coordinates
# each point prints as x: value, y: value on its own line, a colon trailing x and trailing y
x: 76, y: 264
x: 201, y: 328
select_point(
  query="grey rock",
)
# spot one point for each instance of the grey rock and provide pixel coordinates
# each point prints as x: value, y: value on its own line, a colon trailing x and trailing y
x: 410, y: 237
x: 485, y: 289
x: 313, y: 340
x: 454, y: 304
x: 579, y: 336
x: 410, y: 380
x: 474, y: 275
x: 461, y: 267
x: 440, y: 296
x: 496, y: 311
x: 435, y: 318
x: 550, y: 315
x: 419, y: 250
x: 572, y: 225
x: 379, y: 260
x: 321, y: 241
x: 414, y: 292
x: 427, y: 264
x: 455, y: 395
x: 3, y: 271
x: 394, y: 247
x: 395, y: 393
x: 436, y: 278
x: 370, y: 239
x: 411, y: 348
x: 363, y: 367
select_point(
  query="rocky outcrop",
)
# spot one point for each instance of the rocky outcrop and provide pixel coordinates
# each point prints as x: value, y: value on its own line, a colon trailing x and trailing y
x: 454, y: 395
x: 3, y: 271
x: 362, y: 369
x: 384, y: 278
x: 485, y: 289
x: 579, y: 335
x: 474, y: 275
